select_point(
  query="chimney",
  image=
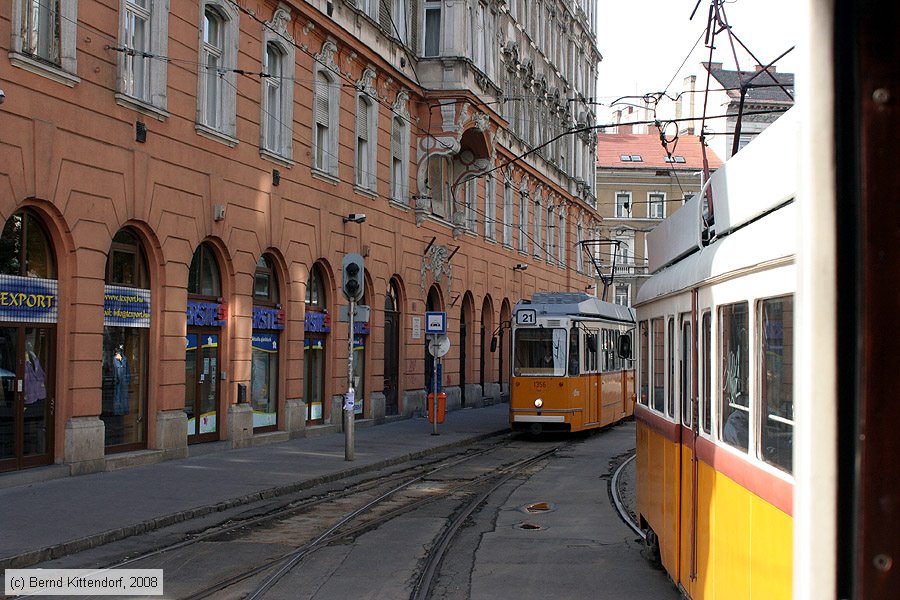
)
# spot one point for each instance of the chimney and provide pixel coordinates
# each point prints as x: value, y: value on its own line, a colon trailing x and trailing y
x: 626, y: 128
x: 759, y: 68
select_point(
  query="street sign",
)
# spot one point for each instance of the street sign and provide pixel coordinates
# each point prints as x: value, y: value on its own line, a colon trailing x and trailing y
x: 438, y: 345
x: 435, y: 322
x: 361, y: 313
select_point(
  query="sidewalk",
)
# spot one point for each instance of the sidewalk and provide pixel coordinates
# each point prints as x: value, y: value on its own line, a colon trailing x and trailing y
x: 48, y: 519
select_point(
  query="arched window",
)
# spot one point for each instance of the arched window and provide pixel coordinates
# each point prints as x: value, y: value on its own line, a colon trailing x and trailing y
x: 203, y: 278
x: 126, y: 323
x: 25, y: 249
x: 317, y: 327
x: 268, y: 322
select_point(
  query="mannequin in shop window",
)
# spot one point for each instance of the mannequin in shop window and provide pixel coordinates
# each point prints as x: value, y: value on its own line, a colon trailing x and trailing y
x: 35, y: 393
x: 122, y: 381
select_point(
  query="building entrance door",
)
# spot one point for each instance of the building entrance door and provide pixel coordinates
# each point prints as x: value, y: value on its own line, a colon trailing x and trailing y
x: 391, y: 362
x: 26, y: 400
x: 201, y: 390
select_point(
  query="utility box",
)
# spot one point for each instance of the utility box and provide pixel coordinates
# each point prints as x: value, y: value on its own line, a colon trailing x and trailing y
x: 441, y: 407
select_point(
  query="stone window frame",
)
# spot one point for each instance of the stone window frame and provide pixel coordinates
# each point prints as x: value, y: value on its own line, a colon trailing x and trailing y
x: 225, y: 131
x: 400, y: 138
x: 365, y: 177
x: 325, y: 68
x: 275, y: 33
x: 155, y: 83
x: 66, y: 70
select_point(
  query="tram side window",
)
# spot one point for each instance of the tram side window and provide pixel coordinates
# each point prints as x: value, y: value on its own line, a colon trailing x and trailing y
x: 644, y: 363
x: 670, y: 396
x: 734, y: 360
x: 686, y: 413
x: 591, y: 346
x: 776, y: 380
x: 706, y: 394
x: 659, y: 346
x: 574, y: 355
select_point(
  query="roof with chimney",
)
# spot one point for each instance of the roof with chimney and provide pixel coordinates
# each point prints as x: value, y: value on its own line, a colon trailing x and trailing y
x: 765, y: 87
x: 645, y: 151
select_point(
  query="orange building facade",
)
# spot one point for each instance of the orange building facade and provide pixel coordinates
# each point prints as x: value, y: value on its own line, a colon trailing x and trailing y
x: 179, y: 186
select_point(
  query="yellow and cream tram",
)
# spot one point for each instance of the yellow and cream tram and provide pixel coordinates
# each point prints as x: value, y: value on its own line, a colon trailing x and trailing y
x: 715, y: 368
x: 570, y: 367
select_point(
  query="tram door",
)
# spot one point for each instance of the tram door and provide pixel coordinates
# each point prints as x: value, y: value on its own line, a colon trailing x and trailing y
x: 687, y: 392
x: 201, y: 399
x: 26, y: 402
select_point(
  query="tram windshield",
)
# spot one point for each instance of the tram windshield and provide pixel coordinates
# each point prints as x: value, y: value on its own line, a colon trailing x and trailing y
x: 539, y: 352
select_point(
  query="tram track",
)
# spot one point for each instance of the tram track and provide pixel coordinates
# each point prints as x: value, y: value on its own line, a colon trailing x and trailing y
x: 374, y: 502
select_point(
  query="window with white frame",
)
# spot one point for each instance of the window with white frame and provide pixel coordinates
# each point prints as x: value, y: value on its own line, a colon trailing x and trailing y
x: 579, y: 256
x: 523, y: 221
x: 507, y: 213
x: 218, y: 58
x: 400, y: 18
x: 369, y: 7
x: 43, y: 38
x: 471, y: 203
x: 622, y: 294
x: 551, y: 227
x: 656, y: 203
x: 562, y: 236
x: 538, y: 226
x: 399, y: 158
x: 366, y: 141
x: 490, y: 207
x: 438, y: 184
x: 623, y: 204
x: 477, y: 34
x: 276, y: 135
x: 432, y: 37
x: 325, y: 113
x: 624, y: 254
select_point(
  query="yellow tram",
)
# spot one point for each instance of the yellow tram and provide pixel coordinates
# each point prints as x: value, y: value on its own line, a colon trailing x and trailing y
x: 715, y: 413
x: 571, y: 367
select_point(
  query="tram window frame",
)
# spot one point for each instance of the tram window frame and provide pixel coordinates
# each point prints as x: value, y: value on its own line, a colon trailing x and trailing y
x: 775, y: 372
x: 644, y: 374
x: 658, y: 372
x: 734, y: 323
x: 686, y: 369
x: 706, y: 387
x: 591, y: 347
x: 670, y: 363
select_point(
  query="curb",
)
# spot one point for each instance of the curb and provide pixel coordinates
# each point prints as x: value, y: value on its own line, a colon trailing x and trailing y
x: 32, y: 557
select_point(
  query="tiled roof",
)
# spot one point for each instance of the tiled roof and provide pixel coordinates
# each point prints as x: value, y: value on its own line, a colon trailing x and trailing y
x: 612, y: 148
x: 769, y: 90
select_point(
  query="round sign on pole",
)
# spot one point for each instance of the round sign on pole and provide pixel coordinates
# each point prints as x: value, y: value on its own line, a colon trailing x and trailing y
x: 439, y: 345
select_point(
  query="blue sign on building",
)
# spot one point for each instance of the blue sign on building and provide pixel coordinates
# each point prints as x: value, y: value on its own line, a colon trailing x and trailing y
x: 206, y: 314
x: 317, y: 322
x: 29, y: 299
x: 126, y: 306
x: 268, y: 318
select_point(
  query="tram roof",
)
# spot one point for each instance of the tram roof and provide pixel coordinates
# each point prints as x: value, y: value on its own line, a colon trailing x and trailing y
x: 767, y: 242
x: 576, y: 304
x: 761, y: 177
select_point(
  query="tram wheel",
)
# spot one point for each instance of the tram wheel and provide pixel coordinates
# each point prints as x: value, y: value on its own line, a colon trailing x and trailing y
x: 536, y: 429
x: 651, y: 550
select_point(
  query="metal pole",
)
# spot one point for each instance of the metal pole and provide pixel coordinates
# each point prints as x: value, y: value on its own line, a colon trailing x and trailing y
x: 434, y: 385
x: 349, y: 401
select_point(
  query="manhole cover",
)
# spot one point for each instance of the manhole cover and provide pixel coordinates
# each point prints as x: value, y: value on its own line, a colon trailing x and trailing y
x: 528, y: 526
x: 538, y: 507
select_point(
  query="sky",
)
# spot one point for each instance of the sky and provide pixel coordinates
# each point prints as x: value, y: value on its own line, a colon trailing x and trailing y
x: 644, y: 43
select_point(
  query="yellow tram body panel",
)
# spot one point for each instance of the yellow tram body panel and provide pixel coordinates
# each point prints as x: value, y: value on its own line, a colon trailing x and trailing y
x: 743, y: 542
x: 572, y: 403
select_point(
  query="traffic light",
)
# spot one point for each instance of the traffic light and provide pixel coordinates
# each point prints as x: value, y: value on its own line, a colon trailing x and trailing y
x: 353, y: 270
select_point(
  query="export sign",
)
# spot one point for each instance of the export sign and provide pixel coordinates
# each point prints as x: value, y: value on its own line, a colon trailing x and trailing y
x: 126, y: 306
x: 29, y: 299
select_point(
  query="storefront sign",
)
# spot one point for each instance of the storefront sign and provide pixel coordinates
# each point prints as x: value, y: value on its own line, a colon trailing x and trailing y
x: 28, y: 299
x: 266, y: 342
x: 317, y: 322
x: 206, y: 314
x: 268, y: 318
x: 126, y: 307
x: 313, y: 344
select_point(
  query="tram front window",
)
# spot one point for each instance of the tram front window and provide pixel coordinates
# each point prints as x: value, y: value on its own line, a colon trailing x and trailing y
x: 539, y: 353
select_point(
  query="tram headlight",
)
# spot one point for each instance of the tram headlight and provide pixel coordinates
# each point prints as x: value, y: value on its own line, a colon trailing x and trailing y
x: 538, y: 403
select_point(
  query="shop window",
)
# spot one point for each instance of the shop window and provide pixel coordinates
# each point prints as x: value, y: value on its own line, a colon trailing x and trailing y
x: 203, y: 278
x: 268, y: 323
x: 126, y: 323
x: 317, y: 327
